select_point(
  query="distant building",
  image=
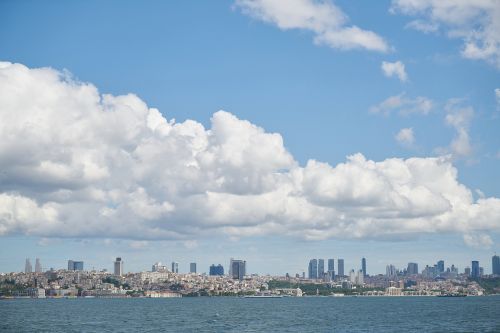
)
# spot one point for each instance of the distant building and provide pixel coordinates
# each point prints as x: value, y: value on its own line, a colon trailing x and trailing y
x: 467, y: 271
x: 340, y: 267
x: 495, y: 265
x: 38, y: 266
x: 412, y: 268
x: 475, y: 269
x: 440, y: 266
x: 238, y: 269
x: 331, y: 270
x: 363, y: 266
x: 158, y: 267
x: 216, y: 270
x: 118, y: 266
x: 481, y: 271
x: 27, y: 266
x: 175, y: 267
x: 313, y: 269
x: 321, y: 268
x: 390, y: 271
x: 75, y: 265
x: 192, y: 267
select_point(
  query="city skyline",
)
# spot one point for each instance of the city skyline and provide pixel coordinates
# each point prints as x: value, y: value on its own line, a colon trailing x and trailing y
x: 249, y: 129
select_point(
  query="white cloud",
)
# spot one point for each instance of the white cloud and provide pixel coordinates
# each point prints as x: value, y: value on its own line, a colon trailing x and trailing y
x: 323, y: 18
x: 92, y: 165
x: 497, y: 97
x: 459, y: 117
x: 404, y: 105
x: 477, y: 23
x: 397, y: 68
x: 405, y: 137
x: 478, y: 241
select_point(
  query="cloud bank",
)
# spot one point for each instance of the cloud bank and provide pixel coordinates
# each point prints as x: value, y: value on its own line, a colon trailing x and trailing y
x: 75, y: 163
x: 323, y: 18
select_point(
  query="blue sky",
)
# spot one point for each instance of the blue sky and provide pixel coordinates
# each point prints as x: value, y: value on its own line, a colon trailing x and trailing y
x: 191, y: 59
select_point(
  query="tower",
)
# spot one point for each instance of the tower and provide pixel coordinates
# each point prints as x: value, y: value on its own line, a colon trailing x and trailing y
x: 118, y: 266
x: 340, y: 267
x: 363, y: 266
x: 27, y: 266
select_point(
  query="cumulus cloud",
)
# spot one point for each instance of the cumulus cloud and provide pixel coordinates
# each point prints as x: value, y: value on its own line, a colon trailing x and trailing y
x: 323, y: 18
x: 477, y: 23
x: 405, y: 137
x: 478, y: 241
x: 75, y: 163
x: 459, y: 116
x: 403, y: 105
x: 397, y: 69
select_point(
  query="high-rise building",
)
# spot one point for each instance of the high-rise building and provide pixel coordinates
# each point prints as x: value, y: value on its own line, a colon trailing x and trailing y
x: 340, y: 267
x: 390, y: 271
x: 363, y: 266
x: 118, y: 267
x: 75, y: 265
x: 495, y: 265
x: 321, y: 268
x: 481, y: 271
x: 331, y: 265
x: 27, y: 266
x: 158, y: 267
x: 238, y: 269
x: 313, y: 269
x: 192, y: 267
x: 216, y: 270
x: 467, y: 271
x: 38, y: 266
x: 412, y: 268
x: 440, y: 266
x: 475, y: 269
x: 175, y: 267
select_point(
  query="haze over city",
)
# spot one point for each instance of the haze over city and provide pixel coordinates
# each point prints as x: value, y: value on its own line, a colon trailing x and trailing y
x: 243, y: 129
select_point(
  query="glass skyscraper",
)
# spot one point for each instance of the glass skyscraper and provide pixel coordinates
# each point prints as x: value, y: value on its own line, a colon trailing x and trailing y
x: 216, y: 270
x: 495, y: 265
x: 340, y: 268
x: 474, y: 273
x: 313, y: 269
x: 363, y: 266
x: 321, y: 268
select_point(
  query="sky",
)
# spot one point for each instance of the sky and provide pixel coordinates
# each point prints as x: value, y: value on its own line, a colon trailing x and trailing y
x: 265, y: 130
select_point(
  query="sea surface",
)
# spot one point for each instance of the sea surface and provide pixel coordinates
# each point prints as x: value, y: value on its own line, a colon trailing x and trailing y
x: 234, y: 314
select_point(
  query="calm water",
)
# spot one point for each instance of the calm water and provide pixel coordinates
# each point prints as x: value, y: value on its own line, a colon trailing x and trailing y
x: 228, y: 314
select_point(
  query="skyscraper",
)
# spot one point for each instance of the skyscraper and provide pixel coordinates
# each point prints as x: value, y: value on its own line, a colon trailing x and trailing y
x: 475, y: 269
x: 216, y: 270
x: 238, y: 269
x: 27, y: 266
x: 412, y: 268
x: 321, y: 268
x: 313, y: 269
x: 192, y: 267
x: 75, y: 265
x: 390, y: 271
x: 118, y: 267
x: 340, y: 267
x: 331, y: 265
x: 467, y: 271
x: 495, y: 265
x: 440, y: 266
x: 363, y: 266
x: 175, y: 267
x: 38, y: 266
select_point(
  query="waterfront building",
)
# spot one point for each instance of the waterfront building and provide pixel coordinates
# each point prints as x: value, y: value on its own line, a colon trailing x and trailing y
x: 192, y: 267
x: 412, y: 268
x: 313, y: 269
x: 175, y: 267
x: 475, y: 269
x: 38, y: 266
x: 340, y: 267
x: 495, y: 265
x: 321, y: 268
x: 216, y: 270
x: 363, y: 266
x: 27, y: 266
x: 118, y: 266
x: 238, y: 269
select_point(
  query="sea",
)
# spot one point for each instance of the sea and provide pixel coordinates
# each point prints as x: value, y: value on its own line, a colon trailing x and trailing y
x: 237, y: 314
